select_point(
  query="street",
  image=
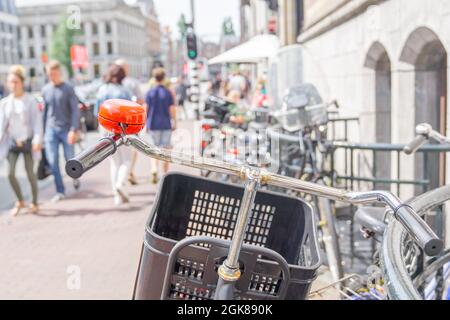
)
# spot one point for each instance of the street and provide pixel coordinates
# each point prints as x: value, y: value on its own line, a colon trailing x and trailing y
x: 81, y: 248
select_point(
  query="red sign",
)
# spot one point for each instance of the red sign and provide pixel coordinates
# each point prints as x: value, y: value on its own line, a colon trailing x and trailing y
x: 44, y: 57
x: 79, y: 57
x: 272, y: 25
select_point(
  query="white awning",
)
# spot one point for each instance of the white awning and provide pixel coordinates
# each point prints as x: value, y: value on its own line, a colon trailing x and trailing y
x: 253, y: 51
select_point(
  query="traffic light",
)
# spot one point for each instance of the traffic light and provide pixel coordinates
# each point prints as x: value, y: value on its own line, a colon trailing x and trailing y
x: 191, y: 40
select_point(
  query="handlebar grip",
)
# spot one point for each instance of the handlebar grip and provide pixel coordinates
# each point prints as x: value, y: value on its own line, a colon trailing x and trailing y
x: 414, y: 145
x: 92, y: 156
x: 420, y: 231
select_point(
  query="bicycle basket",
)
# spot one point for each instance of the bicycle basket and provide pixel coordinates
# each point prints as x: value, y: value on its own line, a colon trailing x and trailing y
x: 316, y: 115
x: 191, y: 206
x: 300, y: 118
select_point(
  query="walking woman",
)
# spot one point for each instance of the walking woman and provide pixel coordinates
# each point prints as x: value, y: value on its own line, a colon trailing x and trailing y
x: 121, y: 160
x: 21, y: 129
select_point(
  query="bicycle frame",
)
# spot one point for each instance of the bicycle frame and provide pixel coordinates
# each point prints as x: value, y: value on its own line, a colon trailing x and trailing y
x: 253, y: 177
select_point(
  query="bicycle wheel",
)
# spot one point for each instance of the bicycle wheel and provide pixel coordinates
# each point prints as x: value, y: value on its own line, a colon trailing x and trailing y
x: 407, y: 274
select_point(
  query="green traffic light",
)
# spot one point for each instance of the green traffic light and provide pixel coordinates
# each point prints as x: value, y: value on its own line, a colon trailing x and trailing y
x: 192, y: 54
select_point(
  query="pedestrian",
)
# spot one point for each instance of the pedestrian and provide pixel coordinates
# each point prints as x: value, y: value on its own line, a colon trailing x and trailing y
x: 237, y: 83
x: 131, y: 84
x: 181, y: 94
x: 134, y: 86
x: 260, y: 95
x: 21, y: 130
x: 61, y: 123
x: 161, y: 117
x: 113, y: 88
x: 216, y: 85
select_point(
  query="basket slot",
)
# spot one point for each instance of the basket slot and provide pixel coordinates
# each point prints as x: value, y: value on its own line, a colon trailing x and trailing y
x: 191, y: 269
x: 264, y: 284
x: 182, y: 292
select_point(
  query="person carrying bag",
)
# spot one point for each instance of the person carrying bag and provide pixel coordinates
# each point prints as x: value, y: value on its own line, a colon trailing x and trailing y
x: 21, y: 134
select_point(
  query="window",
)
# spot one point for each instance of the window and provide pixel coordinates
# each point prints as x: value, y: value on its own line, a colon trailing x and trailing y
x: 108, y: 27
x: 43, y: 31
x: 82, y: 27
x: 31, y: 52
x: 94, y: 28
x: 32, y: 72
x: 96, y: 70
x: 30, y: 32
x: 96, y: 49
x: 44, y: 49
x: 110, y: 47
x: 2, y: 26
x: 10, y: 5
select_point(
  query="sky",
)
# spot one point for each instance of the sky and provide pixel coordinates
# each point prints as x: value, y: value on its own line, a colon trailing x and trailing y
x: 209, y: 15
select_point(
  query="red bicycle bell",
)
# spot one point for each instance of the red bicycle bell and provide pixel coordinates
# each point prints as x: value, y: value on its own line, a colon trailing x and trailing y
x: 117, y: 113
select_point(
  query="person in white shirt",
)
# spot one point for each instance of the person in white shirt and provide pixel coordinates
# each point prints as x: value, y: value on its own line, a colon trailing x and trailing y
x: 22, y: 129
x: 237, y: 83
x: 132, y: 85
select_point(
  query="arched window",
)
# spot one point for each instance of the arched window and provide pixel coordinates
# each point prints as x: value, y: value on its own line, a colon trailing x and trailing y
x: 378, y: 60
x: 424, y: 50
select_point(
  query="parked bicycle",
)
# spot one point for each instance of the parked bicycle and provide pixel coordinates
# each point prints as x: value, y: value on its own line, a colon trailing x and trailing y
x: 281, y: 268
x: 407, y: 272
x: 410, y: 274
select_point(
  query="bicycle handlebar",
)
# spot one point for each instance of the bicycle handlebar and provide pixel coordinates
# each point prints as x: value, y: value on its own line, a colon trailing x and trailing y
x: 92, y: 156
x: 418, y: 229
x: 424, y: 133
x: 415, y: 144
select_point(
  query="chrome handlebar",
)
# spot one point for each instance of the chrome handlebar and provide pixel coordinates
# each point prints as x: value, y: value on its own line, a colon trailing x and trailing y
x: 416, y: 227
x: 425, y: 132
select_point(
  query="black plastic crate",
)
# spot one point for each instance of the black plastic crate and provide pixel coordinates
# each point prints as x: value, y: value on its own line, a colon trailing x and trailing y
x: 189, y: 206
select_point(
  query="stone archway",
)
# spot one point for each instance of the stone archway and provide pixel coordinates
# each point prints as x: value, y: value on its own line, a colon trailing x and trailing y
x: 425, y: 52
x: 378, y: 60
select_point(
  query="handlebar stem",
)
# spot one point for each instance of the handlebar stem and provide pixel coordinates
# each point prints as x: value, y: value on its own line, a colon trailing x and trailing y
x: 229, y: 270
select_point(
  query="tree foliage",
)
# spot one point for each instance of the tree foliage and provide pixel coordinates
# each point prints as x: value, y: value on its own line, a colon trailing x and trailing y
x: 63, y: 38
x: 182, y: 26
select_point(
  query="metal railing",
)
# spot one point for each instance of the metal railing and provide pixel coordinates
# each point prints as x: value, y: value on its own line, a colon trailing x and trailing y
x: 341, y: 124
x: 368, y: 166
x: 354, y: 154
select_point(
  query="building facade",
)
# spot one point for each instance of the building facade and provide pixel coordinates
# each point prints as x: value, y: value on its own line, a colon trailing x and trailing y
x: 168, y: 53
x: 281, y: 17
x: 8, y: 37
x: 153, y: 32
x: 386, y: 62
x: 110, y: 29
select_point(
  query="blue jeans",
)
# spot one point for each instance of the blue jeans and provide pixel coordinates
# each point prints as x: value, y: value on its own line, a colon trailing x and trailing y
x: 53, y: 138
x: 161, y: 138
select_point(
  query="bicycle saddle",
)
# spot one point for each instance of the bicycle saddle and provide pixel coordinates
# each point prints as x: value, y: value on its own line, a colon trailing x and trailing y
x: 122, y: 116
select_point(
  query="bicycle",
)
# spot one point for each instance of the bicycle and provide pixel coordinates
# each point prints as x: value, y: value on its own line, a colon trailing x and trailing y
x: 406, y: 272
x: 415, y: 276
x: 304, y: 151
x: 124, y: 119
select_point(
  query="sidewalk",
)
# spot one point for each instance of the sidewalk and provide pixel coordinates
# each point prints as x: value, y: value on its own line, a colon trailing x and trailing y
x: 85, y: 234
